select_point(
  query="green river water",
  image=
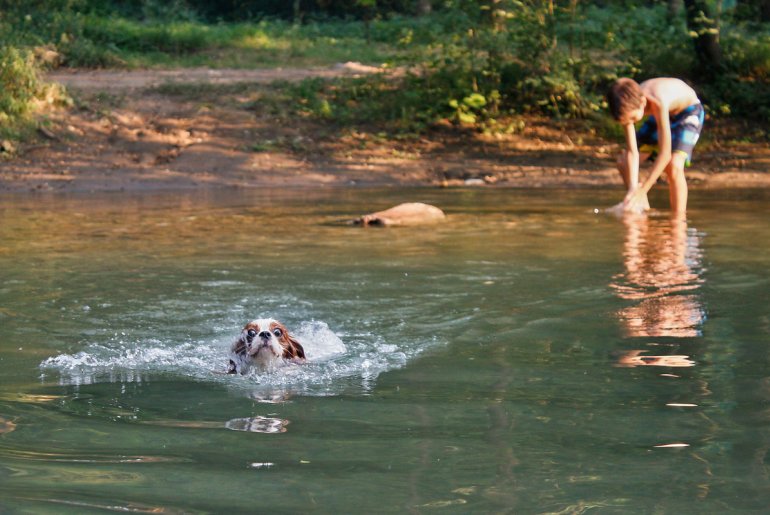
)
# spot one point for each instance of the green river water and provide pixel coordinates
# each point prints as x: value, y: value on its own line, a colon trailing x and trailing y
x: 527, y: 356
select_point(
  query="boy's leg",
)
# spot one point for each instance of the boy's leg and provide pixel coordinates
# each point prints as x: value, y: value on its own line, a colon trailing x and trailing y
x: 685, y: 131
x: 677, y: 184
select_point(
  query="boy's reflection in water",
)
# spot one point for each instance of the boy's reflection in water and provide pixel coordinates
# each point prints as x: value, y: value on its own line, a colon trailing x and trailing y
x: 663, y: 269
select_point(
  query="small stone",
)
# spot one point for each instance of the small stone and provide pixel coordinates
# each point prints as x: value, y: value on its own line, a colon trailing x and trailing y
x: 6, y: 147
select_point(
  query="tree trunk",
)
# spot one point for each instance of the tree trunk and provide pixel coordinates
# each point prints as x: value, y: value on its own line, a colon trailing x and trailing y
x: 674, y: 6
x: 424, y: 7
x: 764, y: 10
x: 297, y: 11
x: 706, y: 39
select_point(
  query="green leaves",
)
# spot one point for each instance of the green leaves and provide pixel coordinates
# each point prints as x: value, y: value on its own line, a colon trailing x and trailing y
x: 470, y: 109
x: 19, y: 83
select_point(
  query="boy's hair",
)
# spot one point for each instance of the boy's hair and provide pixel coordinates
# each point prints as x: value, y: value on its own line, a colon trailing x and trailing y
x: 624, y: 95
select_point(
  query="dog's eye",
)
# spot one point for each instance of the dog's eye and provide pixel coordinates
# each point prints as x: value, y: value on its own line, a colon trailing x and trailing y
x: 251, y: 333
x: 278, y: 333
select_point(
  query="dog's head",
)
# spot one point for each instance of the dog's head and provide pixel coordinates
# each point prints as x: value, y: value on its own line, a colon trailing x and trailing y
x: 263, y: 342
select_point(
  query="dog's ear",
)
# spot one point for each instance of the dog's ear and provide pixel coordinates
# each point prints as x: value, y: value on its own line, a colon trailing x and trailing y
x: 239, y: 346
x: 239, y: 349
x: 294, y: 350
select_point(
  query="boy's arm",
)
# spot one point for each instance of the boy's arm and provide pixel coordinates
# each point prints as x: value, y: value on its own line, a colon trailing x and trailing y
x: 637, y: 198
x: 632, y: 157
x: 664, y: 148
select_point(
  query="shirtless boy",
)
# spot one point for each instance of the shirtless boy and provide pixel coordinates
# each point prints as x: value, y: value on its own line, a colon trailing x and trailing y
x: 674, y: 121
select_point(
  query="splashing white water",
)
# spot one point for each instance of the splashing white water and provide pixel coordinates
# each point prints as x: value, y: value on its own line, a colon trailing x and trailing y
x: 122, y: 359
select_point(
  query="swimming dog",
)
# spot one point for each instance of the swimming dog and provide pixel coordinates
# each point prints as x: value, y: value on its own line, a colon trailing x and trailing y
x: 263, y: 343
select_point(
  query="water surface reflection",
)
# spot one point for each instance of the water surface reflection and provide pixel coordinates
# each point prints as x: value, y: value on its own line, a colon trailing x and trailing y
x: 663, y: 276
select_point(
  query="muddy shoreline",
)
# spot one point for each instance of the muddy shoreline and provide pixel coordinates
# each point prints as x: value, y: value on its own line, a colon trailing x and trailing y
x: 122, y: 136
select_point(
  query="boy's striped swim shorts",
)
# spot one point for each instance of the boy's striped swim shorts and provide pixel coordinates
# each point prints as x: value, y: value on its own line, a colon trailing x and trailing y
x: 685, y: 130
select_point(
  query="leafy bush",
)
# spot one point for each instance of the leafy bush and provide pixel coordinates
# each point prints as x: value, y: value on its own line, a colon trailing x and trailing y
x: 515, y: 61
x: 19, y: 83
x: 749, y: 54
x: 644, y: 41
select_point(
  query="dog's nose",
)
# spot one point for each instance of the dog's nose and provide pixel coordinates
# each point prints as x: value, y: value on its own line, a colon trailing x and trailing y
x: 265, y: 335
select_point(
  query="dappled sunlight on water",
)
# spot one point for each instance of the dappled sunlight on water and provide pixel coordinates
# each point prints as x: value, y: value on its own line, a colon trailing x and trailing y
x: 258, y: 424
x: 638, y: 358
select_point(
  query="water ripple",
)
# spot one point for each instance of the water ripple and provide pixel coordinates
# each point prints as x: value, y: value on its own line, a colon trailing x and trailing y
x: 26, y: 455
x: 130, y: 507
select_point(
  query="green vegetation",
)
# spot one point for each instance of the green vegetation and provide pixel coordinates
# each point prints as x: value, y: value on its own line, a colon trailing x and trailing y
x: 129, y: 43
x: 20, y: 90
x: 477, y: 63
x: 18, y: 82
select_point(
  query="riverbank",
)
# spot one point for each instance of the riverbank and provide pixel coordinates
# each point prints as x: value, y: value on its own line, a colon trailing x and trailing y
x: 132, y: 131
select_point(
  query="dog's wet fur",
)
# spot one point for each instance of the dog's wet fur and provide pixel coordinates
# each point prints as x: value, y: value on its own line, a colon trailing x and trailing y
x: 263, y: 343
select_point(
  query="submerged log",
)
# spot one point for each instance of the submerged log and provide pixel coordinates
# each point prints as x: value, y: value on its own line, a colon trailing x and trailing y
x: 409, y: 213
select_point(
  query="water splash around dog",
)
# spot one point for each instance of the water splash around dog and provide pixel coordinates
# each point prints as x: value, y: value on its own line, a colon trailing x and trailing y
x: 124, y: 359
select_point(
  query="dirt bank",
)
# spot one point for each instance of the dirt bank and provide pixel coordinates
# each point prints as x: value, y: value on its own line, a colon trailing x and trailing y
x: 120, y: 135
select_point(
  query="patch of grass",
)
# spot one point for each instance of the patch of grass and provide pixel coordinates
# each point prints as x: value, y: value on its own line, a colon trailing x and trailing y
x: 236, y: 95
x: 264, y: 146
x: 101, y: 103
x: 353, y: 102
x: 99, y: 41
x: 199, y: 90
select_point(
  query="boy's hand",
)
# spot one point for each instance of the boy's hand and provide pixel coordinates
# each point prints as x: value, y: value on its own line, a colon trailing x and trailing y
x: 636, y: 201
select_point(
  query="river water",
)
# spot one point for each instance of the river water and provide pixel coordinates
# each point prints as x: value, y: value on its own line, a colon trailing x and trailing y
x: 530, y: 355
